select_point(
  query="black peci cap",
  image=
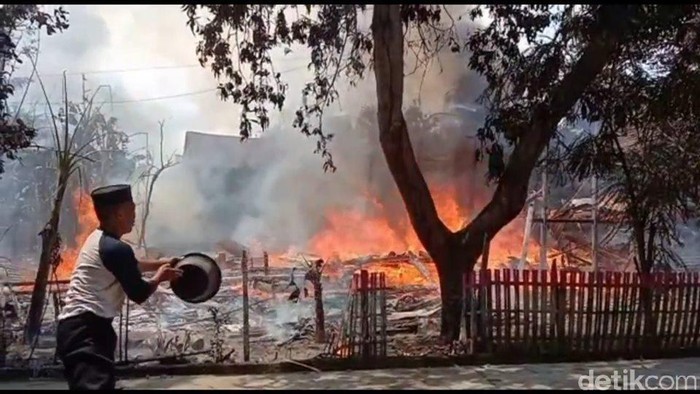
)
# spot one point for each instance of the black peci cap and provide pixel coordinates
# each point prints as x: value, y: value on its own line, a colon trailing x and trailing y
x: 111, y: 195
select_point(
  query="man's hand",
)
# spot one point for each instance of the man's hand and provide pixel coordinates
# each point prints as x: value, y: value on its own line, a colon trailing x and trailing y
x: 154, y: 265
x: 171, y: 261
x: 166, y: 273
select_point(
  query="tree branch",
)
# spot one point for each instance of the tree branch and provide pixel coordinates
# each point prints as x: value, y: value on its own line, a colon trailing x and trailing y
x: 509, y: 197
x: 29, y: 81
x: 393, y: 134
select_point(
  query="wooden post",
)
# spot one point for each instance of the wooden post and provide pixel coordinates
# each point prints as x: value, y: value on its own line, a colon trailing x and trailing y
x: 377, y: 315
x: 3, y: 340
x: 559, y: 307
x: 594, y: 235
x: 472, y: 294
x: 126, y: 332
x: 246, y: 337
x: 121, y: 337
x: 483, y: 326
x: 372, y: 313
x: 364, y: 309
x: 318, y: 298
x: 465, y: 286
x: 55, y: 294
x: 266, y: 263
x: 485, y: 253
x: 543, y: 226
x: 353, y: 314
x: 382, y: 303
x: 526, y: 234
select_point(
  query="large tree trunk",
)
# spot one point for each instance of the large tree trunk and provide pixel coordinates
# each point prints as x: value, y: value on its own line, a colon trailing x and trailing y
x: 49, y: 239
x: 451, y: 288
x: 646, y: 304
x: 454, y: 253
x: 645, y: 262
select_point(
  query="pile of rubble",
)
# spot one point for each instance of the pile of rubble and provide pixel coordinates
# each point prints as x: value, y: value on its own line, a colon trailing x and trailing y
x: 279, y: 327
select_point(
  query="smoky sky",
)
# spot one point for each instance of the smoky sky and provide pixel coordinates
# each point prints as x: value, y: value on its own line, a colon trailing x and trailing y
x: 146, y: 55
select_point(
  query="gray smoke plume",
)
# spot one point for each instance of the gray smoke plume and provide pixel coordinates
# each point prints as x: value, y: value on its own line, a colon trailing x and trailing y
x: 269, y: 191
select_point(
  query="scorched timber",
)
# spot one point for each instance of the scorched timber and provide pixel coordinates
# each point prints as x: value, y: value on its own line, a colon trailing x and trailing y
x: 277, y: 326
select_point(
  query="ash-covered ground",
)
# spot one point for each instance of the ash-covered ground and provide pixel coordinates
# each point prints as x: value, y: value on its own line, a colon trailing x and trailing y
x: 167, y: 330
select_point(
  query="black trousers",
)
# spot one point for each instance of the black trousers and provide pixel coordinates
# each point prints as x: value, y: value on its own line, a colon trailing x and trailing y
x: 85, y: 344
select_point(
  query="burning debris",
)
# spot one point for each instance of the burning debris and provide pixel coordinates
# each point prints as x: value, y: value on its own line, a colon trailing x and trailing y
x: 571, y: 227
x: 297, y: 302
x: 165, y: 326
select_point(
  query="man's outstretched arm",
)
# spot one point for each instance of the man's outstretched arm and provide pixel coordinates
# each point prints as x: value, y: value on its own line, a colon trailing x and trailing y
x: 151, y: 265
x: 120, y: 260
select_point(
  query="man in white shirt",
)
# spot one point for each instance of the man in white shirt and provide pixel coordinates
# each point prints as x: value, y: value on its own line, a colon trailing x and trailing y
x: 105, y: 273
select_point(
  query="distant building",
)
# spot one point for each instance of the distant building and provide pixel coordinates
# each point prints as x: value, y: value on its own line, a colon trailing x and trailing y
x: 220, y: 167
x: 224, y: 150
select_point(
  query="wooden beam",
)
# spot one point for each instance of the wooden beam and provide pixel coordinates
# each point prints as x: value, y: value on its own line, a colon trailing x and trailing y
x: 589, y: 221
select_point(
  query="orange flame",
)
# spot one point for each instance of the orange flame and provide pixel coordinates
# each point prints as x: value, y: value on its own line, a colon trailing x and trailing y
x: 87, y: 223
x: 350, y: 234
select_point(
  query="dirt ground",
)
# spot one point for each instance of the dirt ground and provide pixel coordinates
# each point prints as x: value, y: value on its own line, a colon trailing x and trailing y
x: 647, y: 374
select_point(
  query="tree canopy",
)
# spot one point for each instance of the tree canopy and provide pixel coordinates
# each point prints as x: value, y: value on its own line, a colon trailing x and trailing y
x: 653, y: 173
x: 239, y: 41
x: 17, y: 20
x: 642, y: 116
x: 545, y: 66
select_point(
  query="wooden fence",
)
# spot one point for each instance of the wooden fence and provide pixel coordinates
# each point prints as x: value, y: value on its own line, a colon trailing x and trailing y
x: 363, y: 329
x: 564, y: 312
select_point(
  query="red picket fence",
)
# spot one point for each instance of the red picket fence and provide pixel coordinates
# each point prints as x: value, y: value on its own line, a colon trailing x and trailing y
x: 363, y: 330
x: 565, y: 312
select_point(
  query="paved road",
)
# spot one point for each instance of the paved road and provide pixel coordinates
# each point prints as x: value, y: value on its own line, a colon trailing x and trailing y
x: 650, y: 374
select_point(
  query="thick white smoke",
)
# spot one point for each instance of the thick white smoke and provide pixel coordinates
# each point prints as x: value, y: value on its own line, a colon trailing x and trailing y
x: 287, y: 199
